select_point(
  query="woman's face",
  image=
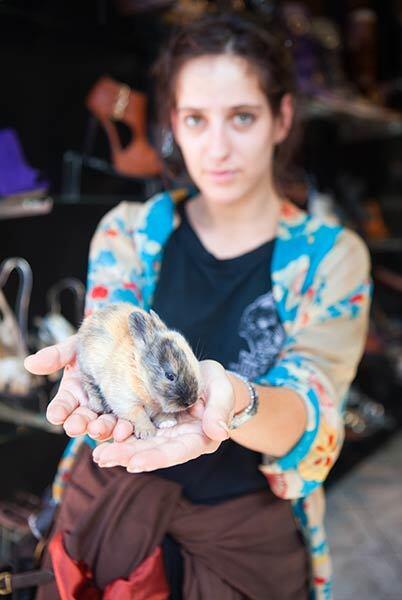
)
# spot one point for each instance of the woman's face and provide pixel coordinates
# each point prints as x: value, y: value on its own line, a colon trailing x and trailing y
x: 224, y: 127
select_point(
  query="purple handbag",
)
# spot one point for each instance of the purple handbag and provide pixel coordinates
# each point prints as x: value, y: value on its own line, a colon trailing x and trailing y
x: 16, y: 175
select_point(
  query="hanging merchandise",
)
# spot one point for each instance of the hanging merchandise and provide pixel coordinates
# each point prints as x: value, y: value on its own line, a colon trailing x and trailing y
x: 386, y: 327
x: 23, y: 396
x: 16, y: 175
x: 94, y: 178
x: 264, y: 7
x: 133, y: 170
x: 17, y: 543
x: 374, y: 226
x: 54, y: 328
x: 326, y: 92
x: 296, y: 20
x: 22, y: 191
x: 328, y: 40
x: 14, y: 379
x: 323, y: 206
x: 184, y: 11
x: 362, y: 49
x: 110, y: 101
x: 364, y: 416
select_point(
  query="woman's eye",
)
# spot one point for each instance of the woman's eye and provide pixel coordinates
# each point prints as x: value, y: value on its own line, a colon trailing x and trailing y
x: 243, y: 118
x: 170, y: 375
x: 192, y: 120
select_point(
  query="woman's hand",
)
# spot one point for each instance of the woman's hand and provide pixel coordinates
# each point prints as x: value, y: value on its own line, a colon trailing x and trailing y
x: 69, y: 407
x: 199, y: 430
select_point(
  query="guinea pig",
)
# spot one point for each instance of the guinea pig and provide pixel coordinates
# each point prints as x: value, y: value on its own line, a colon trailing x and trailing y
x: 135, y: 367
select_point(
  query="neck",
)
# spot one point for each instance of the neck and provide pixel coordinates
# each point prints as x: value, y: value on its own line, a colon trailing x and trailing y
x: 229, y: 229
x: 258, y: 210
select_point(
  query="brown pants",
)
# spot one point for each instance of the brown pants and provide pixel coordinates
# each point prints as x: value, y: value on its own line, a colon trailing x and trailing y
x: 245, y: 548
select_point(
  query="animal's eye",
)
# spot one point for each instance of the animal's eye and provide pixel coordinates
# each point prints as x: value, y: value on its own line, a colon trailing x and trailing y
x: 170, y: 375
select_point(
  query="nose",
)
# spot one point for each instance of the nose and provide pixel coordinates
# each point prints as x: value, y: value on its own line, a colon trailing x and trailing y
x: 218, y: 142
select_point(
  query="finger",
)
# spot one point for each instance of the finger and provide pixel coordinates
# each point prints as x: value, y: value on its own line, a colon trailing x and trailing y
x: 98, y: 451
x: 113, y: 454
x: 173, y: 452
x: 118, y: 453
x: 51, y: 359
x: 123, y: 430
x: 218, y: 409
x: 77, y: 423
x: 69, y: 396
x: 197, y: 410
x: 102, y: 427
x: 159, y: 458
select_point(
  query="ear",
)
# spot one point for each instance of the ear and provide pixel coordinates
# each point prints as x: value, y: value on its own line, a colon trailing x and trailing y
x: 140, y: 326
x: 157, y: 320
x: 284, y: 119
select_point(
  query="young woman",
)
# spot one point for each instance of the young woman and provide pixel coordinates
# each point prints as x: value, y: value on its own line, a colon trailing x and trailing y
x: 228, y: 503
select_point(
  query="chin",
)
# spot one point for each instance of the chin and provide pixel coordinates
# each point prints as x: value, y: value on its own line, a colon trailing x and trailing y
x: 224, y: 194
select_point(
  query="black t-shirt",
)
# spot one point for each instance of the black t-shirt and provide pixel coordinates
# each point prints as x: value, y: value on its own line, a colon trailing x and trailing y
x: 225, y: 309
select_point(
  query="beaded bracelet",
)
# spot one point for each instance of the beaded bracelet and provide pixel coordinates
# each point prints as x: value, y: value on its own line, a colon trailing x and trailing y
x: 251, y: 409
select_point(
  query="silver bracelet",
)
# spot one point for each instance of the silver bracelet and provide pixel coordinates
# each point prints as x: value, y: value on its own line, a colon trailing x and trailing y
x: 251, y: 409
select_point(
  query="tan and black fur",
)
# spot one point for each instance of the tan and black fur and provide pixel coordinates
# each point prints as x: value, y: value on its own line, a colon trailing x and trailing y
x: 133, y: 366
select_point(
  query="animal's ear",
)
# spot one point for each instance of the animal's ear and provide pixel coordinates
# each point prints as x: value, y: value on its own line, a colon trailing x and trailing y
x: 157, y: 320
x: 141, y: 326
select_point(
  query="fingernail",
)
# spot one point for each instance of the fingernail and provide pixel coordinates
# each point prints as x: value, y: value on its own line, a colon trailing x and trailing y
x: 41, y: 351
x: 107, y: 464
x: 224, y: 426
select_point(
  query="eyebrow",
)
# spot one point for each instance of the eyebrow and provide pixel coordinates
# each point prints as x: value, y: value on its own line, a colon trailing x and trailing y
x: 237, y: 107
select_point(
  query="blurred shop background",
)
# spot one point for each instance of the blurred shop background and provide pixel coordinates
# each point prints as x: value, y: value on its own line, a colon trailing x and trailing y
x: 78, y: 135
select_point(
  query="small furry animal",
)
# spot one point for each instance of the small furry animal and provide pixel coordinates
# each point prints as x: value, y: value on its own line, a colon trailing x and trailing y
x: 132, y: 365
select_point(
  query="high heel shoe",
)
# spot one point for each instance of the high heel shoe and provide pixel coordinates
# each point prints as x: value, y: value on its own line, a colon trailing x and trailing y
x: 110, y: 101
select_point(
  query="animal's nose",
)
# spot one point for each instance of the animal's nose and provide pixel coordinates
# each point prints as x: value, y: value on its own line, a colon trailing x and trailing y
x: 186, y: 400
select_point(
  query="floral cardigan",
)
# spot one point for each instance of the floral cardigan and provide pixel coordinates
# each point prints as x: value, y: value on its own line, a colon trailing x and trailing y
x: 322, y: 288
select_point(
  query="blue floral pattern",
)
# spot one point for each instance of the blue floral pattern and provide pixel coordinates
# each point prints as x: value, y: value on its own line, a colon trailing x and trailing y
x: 322, y: 289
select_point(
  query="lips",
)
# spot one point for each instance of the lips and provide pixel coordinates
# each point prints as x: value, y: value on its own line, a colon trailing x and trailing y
x: 220, y: 171
x: 221, y: 175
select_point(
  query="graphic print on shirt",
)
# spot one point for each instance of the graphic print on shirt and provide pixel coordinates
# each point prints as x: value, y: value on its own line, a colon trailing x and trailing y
x: 264, y: 334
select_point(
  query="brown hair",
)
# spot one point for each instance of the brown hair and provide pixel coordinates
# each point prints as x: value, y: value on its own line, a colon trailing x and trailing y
x: 239, y: 34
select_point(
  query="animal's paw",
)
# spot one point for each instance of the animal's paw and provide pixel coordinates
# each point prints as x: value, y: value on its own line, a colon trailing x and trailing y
x: 143, y: 431
x: 170, y: 422
x: 164, y: 420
